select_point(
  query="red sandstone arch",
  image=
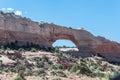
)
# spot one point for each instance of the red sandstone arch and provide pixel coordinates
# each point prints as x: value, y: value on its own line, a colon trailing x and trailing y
x: 13, y: 27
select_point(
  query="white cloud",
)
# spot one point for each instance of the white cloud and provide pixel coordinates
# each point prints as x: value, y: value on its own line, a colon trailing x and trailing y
x: 18, y: 12
x: 81, y: 28
x: 9, y: 9
x: 3, y: 9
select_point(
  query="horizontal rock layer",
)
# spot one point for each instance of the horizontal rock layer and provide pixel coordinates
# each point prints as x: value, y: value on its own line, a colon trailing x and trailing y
x: 13, y: 27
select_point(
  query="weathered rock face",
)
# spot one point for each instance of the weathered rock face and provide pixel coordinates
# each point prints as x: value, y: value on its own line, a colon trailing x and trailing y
x: 24, y: 30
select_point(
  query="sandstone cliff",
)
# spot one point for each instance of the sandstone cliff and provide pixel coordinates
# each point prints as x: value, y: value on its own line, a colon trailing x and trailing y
x: 13, y: 27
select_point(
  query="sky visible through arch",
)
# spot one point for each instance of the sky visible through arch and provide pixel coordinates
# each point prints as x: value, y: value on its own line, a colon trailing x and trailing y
x: 100, y: 17
x: 66, y: 43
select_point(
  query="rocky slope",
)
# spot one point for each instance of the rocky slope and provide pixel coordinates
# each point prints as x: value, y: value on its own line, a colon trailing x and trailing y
x: 41, y: 65
x: 16, y: 28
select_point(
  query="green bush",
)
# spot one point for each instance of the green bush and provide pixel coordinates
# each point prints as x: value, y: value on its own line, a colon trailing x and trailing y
x: 53, y: 73
x: 75, y: 67
x: 19, y: 78
x: 43, y: 61
x: 41, y: 72
x: 59, y: 66
x: 60, y: 56
x: 56, y: 79
x: 20, y: 49
x: 37, y: 58
x: 2, y: 49
x: 39, y: 64
x: 13, y: 70
x: 21, y: 74
x: 53, y: 67
x: 1, y: 65
x: 29, y: 73
x: 13, y: 57
x: 56, y: 49
x: 61, y: 73
x: 1, y: 62
x: 33, y: 50
x: 27, y: 64
x: 81, y: 68
x: 45, y: 58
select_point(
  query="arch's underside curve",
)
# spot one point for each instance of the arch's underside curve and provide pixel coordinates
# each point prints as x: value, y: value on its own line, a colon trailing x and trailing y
x: 23, y: 30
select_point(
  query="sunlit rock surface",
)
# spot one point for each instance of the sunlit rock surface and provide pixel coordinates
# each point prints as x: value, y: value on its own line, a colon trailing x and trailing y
x: 16, y: 28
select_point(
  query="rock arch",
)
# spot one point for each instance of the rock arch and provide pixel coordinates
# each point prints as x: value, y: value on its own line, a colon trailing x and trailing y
x: 84, y: 40
x: 81, y: 38
x: 13, y: 27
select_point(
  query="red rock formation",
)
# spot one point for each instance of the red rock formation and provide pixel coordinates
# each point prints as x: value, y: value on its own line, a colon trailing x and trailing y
x: 13, y: 27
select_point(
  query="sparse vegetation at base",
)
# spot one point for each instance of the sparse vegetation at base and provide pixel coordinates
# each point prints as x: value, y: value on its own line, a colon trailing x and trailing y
x: 55, y: 66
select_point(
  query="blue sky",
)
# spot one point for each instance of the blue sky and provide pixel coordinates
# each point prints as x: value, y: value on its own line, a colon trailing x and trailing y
x: 100, y: 17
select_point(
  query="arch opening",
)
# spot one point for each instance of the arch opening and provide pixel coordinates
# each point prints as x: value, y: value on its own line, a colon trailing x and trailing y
x: 65, y: 45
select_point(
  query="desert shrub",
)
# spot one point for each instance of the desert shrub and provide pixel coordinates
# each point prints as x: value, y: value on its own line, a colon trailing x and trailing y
x: 20, y: 67
x: 70, y: 27
x: 20, y: 49
x: 41, y: 72
x: 43, y: 61
x: 59, y: 66
x: 1, y: 65
x: 1, y: 62
x: 56, y: 79
x: 114, y: 77
x: 46, y: 65
x: 81, y: 68
x: 45, y: 58
x: 53, y: 67
x: 100, y: 68
x: 50, y: 62
x: 105, y: 76
x: 39, y: 64
x: 75, y: 67
x: 61, y: 73
x: 7, y: 48
x: 56, y: 49
x: 33, y: 50
x: 19, y: 78
x: 60, y: 56
x: 53, y: 73
x: 118, y: 68
x: 21, y: 73
x: 12, y: 70
x: 100, y: 74
x: 29, y: 73
x: 27, y: 64
x: 2, y: 49
x: 37, y: 58
x: 1, y: 12
x: 13, y: 57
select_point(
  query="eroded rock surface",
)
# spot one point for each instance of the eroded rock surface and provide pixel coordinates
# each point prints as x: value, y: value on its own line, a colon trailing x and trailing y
x: 16, y: 28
